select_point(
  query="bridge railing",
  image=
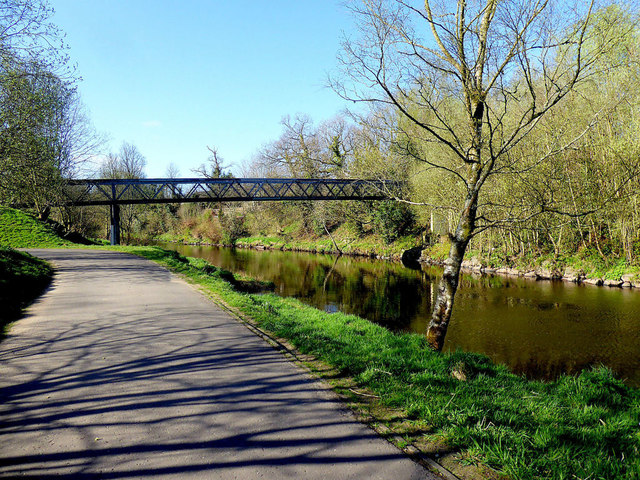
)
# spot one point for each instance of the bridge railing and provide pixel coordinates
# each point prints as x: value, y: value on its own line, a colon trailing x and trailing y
x: 164, y: 190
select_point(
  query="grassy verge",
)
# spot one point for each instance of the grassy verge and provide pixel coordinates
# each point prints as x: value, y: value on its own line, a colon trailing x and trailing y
x: 576, y: 427
x: 21, y: 230
x: 22, y: 279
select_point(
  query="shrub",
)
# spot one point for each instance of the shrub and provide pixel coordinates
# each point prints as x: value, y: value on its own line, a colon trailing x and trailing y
x: 392, y: 219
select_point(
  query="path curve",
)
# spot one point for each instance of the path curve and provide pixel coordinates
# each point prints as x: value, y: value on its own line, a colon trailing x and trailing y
x: 121, y: 370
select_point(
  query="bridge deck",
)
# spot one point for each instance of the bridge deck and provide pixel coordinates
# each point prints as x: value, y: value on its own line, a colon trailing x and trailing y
x: 167, y: 190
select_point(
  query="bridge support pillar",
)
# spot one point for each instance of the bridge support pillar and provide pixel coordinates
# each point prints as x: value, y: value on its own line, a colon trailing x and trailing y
x: 115, y: 224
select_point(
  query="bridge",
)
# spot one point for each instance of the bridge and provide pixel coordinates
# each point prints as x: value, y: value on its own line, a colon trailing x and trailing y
x: 117, y: 192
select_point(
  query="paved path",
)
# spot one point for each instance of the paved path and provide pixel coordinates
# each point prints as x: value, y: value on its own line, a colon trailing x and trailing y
x: 121, y: 370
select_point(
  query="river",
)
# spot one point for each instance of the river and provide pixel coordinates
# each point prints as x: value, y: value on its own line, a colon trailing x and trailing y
x: 537, y: 328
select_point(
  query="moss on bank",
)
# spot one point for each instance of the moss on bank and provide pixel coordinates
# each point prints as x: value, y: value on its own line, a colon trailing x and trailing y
x: 575, y: 427
x: 582, y: 265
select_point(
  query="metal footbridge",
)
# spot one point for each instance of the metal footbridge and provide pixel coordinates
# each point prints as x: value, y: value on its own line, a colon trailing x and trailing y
x: 117, y: 192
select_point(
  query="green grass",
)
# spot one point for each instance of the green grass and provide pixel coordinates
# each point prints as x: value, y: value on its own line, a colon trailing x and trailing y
x: 576, y: 427
x: 22, y: 279
x: 22, y: 276
x: 369, y: 245
x: 21, y: 230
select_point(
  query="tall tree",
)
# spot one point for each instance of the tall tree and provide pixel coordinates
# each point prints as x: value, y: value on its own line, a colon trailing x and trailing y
x: 44, y: 134
x: 471, y: 80
x: 36, y: 133
x: 304, y: 150
x: 27, y: 32
x: 128, y: 163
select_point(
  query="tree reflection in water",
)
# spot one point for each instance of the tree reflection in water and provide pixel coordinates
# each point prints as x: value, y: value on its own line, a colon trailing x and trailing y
x: 537, y: 328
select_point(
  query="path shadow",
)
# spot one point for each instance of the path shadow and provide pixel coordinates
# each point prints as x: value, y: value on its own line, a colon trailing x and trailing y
x: 145, y: 396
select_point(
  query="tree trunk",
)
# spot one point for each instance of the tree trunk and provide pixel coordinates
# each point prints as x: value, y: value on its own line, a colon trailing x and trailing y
x: 43, y: 213
x: 335, y: 245
x: 443, y: 305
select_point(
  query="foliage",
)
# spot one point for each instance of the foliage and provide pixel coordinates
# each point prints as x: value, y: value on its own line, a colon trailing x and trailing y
x: 45, y: 136
x: 393, y: 219
x: 233, y: 226
x: 34, y: 154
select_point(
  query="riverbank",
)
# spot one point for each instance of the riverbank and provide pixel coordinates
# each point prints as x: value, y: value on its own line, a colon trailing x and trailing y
x: 583, y: 267
x: 446, y: 404
x: 342, y: 244
x: 456, y: 408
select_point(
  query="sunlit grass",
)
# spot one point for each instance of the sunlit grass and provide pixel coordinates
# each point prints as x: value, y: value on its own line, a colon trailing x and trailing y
x: 20, y: 230
x: 575, y: 427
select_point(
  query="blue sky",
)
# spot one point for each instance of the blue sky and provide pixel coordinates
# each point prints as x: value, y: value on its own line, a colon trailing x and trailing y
x: 172, y: 77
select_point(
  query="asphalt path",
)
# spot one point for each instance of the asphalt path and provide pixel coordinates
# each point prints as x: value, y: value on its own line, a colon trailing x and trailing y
x: 122, y: 370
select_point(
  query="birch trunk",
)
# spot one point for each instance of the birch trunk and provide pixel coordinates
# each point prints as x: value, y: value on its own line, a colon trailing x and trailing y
x: 443, y: 305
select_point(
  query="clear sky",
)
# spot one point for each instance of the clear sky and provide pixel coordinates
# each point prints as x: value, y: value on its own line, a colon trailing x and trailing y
x: 173, y: 76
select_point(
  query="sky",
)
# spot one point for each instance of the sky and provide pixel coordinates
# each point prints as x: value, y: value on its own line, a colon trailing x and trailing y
x: 173, y: 77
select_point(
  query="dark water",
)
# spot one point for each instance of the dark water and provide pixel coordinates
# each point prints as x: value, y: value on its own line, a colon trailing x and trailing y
x: 539, y: 328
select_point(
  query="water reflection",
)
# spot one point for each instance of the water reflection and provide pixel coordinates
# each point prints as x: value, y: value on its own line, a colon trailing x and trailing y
x: 539, y: 328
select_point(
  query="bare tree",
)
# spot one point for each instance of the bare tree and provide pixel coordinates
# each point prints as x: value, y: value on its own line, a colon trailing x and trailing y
x: 81, y: 142
x: 306, y: 151
x: 214, y: 168
x: 27, y: 33
x: 173, y: 171
x: 128, y: 164
x: 471, y: 80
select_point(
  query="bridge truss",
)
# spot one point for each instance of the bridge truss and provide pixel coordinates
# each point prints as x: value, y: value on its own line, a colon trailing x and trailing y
x: 181, y: 190
x: 116, y: 192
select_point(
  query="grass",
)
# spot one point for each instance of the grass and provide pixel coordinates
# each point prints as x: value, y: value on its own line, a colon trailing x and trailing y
x: 22, y: 278
x: 576, y: 427
x: 21, y: 230
x: 368, y: 245
x: 573, y: 428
